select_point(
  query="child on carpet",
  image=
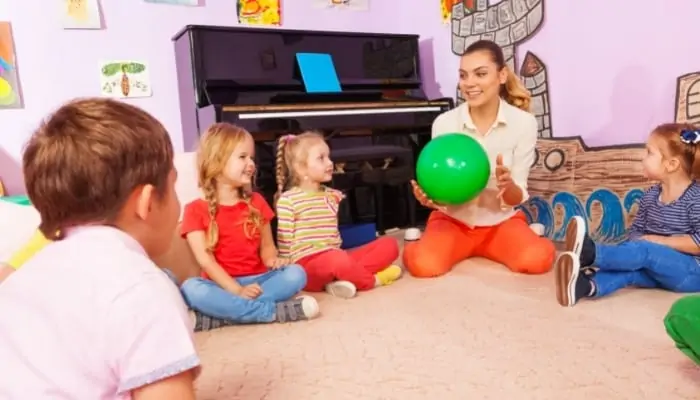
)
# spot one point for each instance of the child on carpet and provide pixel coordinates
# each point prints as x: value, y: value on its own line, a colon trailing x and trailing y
x: 90, y: 316
x: 307, y: 229
x: 243, y: 280
x: 663, y: 250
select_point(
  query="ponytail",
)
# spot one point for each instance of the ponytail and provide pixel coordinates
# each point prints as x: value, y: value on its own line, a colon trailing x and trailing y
x: 281, y: 169
x: 514, y: 92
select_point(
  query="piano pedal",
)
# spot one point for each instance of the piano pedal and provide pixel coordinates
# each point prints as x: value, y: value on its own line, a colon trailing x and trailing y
x: 366, y: 166
x: 387, y: 163
x: 339, y: 168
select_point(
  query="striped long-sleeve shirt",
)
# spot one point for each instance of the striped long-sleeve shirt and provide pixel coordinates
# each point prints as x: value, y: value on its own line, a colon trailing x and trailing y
x: 307, y: 222
x: 679, y: 217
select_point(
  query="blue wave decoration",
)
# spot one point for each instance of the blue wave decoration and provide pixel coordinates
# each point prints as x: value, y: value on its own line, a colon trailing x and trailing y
x: 631, y: 198
x: 572, y: 206
x: 612, y: 222
x: 543, y: 214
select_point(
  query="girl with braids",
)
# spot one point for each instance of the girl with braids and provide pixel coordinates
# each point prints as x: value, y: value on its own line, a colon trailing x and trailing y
x: 307, y: 230
x: 663, y: 250
x: 244, y: 280
x: 496, y: 114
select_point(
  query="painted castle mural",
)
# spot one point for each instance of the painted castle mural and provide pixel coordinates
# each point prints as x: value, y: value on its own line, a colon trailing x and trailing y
x: 602, y: 184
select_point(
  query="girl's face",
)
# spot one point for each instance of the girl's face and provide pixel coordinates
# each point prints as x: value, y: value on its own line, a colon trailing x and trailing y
x: 240, y: 167
x: 319, y: 166
x: 657, y: 164
x: 480, y: 79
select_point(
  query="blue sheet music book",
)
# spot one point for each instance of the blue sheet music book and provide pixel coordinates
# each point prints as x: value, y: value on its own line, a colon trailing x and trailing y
x: 318, y: 73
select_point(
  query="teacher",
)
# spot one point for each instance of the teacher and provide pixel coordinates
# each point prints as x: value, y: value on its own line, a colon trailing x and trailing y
x: 496, y: 114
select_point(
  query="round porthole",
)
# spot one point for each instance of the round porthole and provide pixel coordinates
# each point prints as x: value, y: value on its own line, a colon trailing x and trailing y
x: 554, y: 160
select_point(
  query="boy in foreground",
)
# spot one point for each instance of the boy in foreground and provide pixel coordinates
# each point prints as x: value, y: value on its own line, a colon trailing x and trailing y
x: 91, y: 316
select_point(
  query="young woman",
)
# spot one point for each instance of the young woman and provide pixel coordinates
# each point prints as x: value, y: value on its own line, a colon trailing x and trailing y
x: 496, y: 114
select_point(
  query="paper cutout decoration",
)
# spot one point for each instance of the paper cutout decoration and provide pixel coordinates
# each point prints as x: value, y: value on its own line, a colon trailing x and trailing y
x: 259, y: 12
x: 81, y: 14
x: 175, y: 2
x: 318, y: 72
x: 353, y: 5
x: 446, y: 7
x: 10, y: 95
x: 125, y: 79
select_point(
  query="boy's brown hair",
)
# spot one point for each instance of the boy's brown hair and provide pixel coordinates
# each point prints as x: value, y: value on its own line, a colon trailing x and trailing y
x: 85, y: 160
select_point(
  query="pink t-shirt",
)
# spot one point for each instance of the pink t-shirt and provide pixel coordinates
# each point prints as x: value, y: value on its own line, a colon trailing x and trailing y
x: 91, y: 317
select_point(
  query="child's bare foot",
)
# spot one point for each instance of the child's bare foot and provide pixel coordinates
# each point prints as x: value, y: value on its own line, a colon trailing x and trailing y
x: 388, y: 275
x: 341, y: 289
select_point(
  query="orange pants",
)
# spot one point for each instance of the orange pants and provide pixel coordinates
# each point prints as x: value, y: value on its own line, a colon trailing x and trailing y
x: 447, y: 241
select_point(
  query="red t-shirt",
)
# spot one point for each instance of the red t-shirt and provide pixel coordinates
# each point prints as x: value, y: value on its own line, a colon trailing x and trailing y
x: 238, y: 254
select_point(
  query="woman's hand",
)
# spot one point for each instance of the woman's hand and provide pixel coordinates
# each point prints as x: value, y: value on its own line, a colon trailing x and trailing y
x: 423, y: 198
x: 503, y: 179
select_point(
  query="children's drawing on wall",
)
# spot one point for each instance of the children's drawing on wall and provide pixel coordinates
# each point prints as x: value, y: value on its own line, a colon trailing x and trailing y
x: 81, y: 14
x: 125, y: 79
x: 688, y: 98
x: 10, y: 96
x: 175, y: 2
x: 534, y: 75
x: 446, y: 7
x: 508, y: 23
x: 259, y: 12
x: 354, y: 5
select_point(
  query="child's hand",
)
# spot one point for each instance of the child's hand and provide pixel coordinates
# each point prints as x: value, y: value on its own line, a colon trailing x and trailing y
x: 251, y: 291
x: 655, y: 239
x: 423, y: 198
x: 277, y: 262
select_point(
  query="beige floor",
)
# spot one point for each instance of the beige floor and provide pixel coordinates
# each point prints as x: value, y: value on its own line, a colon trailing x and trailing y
x: 478, y: 333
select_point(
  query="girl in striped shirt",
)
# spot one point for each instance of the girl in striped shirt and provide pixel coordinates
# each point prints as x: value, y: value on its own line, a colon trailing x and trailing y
x: 307, y: 232
x: 663, y: 250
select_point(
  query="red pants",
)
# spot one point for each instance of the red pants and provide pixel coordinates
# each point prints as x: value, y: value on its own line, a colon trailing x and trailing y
x: 447, y: 241
x: 357, y: 265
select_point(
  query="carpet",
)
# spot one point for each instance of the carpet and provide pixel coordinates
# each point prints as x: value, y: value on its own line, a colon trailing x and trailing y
x: 481, y: 332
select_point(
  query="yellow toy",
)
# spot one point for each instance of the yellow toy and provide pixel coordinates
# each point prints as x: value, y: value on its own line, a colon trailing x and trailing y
x: 36, y: 243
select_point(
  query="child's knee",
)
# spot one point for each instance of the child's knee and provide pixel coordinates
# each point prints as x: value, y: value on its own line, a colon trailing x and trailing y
x: 194, y: 289
x: 294, y: 275
x: 421, y: 262
x: 534, y: 258
x: 390, y: 245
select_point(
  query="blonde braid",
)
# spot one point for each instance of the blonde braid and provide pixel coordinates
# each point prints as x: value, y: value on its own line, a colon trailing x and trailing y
x: 254, y: 221
x: 209, y: 189
x: 281, y: 170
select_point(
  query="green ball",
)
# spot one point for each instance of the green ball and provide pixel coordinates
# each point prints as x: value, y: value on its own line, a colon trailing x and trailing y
x: 453, y: 169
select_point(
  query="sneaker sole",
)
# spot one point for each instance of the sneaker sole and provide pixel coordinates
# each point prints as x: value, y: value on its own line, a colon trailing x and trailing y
x: 566, y: 274
x: 341, y: 291
x: 575, y: 232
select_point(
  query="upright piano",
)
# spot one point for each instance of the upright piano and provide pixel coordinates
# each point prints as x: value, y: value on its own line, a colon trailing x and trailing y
x: 249, y: 77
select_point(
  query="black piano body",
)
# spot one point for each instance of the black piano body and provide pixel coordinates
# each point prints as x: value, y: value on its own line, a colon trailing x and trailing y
x: 249, y: 77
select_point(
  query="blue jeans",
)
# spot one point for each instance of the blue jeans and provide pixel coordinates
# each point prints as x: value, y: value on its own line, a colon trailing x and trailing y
x: 646, y: 265
x: 277, y: 285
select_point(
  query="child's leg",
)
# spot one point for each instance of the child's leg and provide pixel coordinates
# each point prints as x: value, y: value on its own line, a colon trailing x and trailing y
x: 278, y: 284
x: 444, y: 243
x: 671, y: 269
x: 208, y: 298
x: 331, y: 265
x: 683, y: 326
x: 376, y: 255
x: 514, y: 244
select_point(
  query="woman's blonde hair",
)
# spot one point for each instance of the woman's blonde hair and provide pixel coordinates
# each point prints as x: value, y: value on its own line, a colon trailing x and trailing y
x: 513, y: 91
x: 215, y: 149
x: 686, y: 151
x: 292, y: 153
